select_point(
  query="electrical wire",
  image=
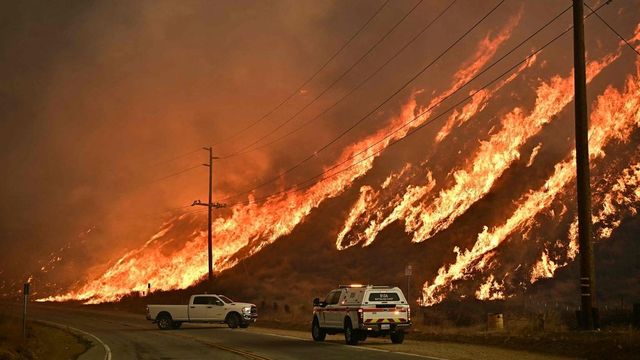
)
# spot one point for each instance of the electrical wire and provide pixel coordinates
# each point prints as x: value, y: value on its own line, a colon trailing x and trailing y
x: 312, y: 180
x: 612, y: 29
x: 299, y: 187
x: 306, y: 82
x: 397, y: 91
x: 358, y: 86
x: 325, y: 90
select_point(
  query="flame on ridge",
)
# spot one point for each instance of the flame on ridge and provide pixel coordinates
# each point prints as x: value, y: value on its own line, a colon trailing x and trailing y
x: 622, y: 198
x: 479, y: 101
x: 424, y: 217
x: 615, y: 116
x: 251, y: 227
x: 491, y: 289
x: 368, y: 210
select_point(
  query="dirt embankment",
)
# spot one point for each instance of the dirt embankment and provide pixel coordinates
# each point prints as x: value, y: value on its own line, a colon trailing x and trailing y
x: 42, y: 342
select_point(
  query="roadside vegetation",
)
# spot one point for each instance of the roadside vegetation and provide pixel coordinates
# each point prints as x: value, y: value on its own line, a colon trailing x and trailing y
x: 542, y: 327
x: 42, y: 342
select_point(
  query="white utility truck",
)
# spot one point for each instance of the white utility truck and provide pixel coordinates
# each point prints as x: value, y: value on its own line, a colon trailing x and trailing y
x: 205, y: 308
x: 359, y: 311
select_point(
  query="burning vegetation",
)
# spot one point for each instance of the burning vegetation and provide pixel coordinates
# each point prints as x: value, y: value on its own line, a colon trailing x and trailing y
x: 503, y: 133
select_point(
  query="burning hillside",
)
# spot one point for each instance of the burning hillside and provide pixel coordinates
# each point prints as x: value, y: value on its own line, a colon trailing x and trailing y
x: 460, y: 199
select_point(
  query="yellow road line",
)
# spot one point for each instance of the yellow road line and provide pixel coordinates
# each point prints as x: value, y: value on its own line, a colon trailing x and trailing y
x: 244, y: 353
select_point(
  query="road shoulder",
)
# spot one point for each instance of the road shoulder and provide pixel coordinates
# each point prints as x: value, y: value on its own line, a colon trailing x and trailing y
x: 427, y: 349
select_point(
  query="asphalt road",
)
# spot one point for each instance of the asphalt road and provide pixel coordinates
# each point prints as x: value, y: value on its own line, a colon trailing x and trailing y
x: 126, y: 336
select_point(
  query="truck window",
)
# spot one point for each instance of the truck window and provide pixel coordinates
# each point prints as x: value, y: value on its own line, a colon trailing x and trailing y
x: 384, y: 297
x: 333, y: 297
x: 201, y: 300
x: 225, y: 299
x: 215, y: 301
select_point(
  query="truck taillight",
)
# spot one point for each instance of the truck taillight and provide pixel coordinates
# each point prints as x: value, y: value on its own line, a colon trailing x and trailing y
x: 360, y: 316
x: 408, y: 313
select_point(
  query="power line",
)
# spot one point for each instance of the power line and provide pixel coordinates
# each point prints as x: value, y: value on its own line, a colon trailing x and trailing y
x: 151, y: 164
x: 612, y: 29
x: 296, y: 187
x: 358, y: 86
x: 306, y: 82
x: 179, y: 172
x: 160, y: 213
x: 153, y: 181
x: 324, y: 147
x: 174, y: 158
x: 300, y: 186
x: 338, y: 79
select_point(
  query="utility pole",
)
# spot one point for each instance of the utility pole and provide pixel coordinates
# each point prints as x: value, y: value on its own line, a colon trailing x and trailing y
x: 210, y: 207
x: 587, y: 268
x: 408, y: 271
x: 25, y: 294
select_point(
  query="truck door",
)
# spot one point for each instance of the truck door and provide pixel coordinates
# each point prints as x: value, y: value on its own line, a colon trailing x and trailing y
x: 332, y: 313
x: 206, y: 308
x: 218, y: 310
x: 198, y: 308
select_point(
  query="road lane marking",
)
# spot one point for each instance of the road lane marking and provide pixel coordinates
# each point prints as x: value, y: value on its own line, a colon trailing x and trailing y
x: 204, y: 342
x: 365, y: 347
x: 244, y: 353
x: 107, y: 349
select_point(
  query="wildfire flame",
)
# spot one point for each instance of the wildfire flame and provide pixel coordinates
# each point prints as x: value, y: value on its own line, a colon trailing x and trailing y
x: 252, y: 226
x: 491, y: 290
x: 425, y: 216
x: 616, y: 114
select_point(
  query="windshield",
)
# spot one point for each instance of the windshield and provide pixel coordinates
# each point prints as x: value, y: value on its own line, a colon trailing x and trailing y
x: 225, y: 299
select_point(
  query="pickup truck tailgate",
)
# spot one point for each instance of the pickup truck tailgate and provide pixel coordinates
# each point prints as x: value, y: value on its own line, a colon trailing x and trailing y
x: 384, y: 314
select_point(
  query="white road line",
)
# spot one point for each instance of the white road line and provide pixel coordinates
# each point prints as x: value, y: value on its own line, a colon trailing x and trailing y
x: 355, y: 348
x: 107, y: 350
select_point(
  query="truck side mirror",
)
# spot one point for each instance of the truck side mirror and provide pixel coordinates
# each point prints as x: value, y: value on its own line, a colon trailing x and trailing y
x: 316, y: 302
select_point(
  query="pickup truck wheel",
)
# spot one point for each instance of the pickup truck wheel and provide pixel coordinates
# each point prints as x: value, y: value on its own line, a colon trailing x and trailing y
x: 233, y: 321
x: 351, y: 336
x: 164, y: 322
x: 363, y: 336
x: 176, y: 324
x: 317, y: 333
x: 397, y: 337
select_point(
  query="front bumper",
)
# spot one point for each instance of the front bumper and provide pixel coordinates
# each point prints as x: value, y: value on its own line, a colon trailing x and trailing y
x: 249, y: 317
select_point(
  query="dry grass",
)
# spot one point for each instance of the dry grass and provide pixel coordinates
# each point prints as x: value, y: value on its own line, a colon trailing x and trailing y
x: 42, y: 342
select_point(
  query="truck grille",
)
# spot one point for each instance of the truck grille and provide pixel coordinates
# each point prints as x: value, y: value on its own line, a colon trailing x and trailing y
x: 254, y: 311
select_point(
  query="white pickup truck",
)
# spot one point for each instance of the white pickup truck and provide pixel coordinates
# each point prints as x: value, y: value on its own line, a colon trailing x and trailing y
x: 204, y: 308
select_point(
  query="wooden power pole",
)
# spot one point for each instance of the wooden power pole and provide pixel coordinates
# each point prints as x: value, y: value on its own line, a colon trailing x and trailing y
x: 210, y: 205
x: 587, y: 268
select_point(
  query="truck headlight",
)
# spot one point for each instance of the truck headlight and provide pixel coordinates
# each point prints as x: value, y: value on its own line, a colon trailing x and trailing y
x: 246, y: 310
